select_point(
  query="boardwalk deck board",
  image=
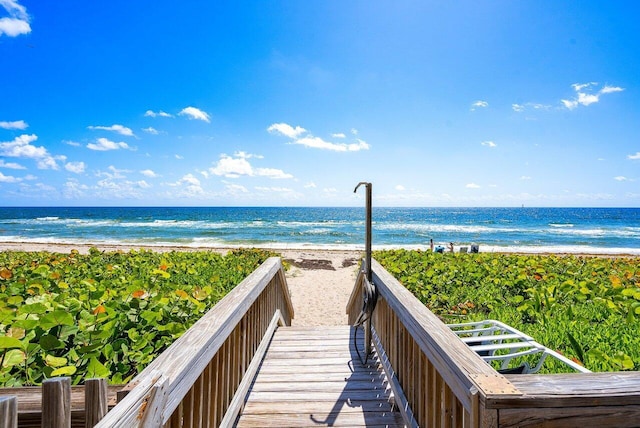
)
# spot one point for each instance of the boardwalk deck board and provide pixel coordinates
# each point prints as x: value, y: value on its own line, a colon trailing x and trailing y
x: 312, y: 377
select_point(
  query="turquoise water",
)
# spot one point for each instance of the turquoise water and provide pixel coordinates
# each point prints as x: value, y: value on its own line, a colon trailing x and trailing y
x: 592, y: 230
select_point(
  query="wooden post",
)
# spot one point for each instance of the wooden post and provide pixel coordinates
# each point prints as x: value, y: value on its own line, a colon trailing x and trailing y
x: 95, y: 401
x: 56, y: 403
x: 9, y: 412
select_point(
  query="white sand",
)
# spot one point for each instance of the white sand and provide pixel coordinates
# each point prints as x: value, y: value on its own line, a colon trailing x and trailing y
x: 319, y: 295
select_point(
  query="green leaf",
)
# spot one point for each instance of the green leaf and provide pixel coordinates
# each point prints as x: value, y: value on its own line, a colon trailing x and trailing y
x: 96, y: 369
x: 14, y: 357
x: 10, y: 343
x: 64, y: 371
x: 55, y: 318
x: 49, y: 342
x: 52, y: 361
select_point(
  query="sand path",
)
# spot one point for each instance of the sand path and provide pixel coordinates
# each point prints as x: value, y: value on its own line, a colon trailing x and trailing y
x: 320, y: 284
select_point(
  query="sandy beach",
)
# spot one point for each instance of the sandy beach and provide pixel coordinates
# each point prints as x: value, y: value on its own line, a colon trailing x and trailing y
x: 320, y: 281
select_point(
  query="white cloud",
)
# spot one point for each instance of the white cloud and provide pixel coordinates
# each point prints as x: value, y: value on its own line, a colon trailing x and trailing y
x: 310, y: 185
x: 621, y: 178
x: 479, y: 104
x: 76, y: 167
x: 190, y: 184
x: 339, y: 135
x: 72, y: 143
x: 122, y: 130
x: 286, y: 130
x: 21, y: 147
x: 634, y: 157
x: 235, y: 188
x: 150, y: 113
x: 354, y: 131
x: 179, y: 157
x: 8, y: 178
x: 274, y: 189
x: 104, y: 144
x: 400, y: 188
x: 517, y: 107
x: 10, y: 165
x: 489, y: 144
x: 143, y: 184
x: 234, y: 167
x: 18, y: 21
x: 151, y: 130
x: 316, y: 142
x: 611, y: 89
x: 472, y: 186
x: 194, y: 113
x: 584, y: 98
x: 525, y: 177
x: 149, y: 173
x: 319, y: 143
x: 330, y: 190
x: 18, y: 124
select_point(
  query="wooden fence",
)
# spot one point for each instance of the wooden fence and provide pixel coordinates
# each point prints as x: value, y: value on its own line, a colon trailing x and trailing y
x: 193, y: 383
x: 446, y: 384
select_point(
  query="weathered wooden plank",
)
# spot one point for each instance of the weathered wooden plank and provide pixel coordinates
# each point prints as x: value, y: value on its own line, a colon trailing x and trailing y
x: 56, y: 403
x: 345, y: 385
x: 364, y: 419
x: 30, y: 397
x: 315, y: 407
x: 8, y: 412
x: 306, y: 383
x: 571, y: 417
x: 95, y: 393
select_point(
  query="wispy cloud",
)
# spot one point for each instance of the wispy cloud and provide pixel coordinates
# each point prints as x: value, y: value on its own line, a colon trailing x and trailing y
x: 10, y: 165
x: 472, y: 186
x: 308, y: 140
x: 400, y: 188
x: 525, y: 178
x: 8, y: 178
x: 148, y: 173
x: 339, y: 135
x: 75, y: 167
x: 17, y: 22
x: 151, y: 113
x: 122, y: 130
x: 585, y: 95
x: 286, y: 130
x: 319, y: 143
x: 479, y: 104
x: 238, y: 165
x: 18, y: 124
x: 634, y: 157
x: 21, y: 147
x: 621, y: 178
x: 103, y: 145
x: 195, y: 113
x: 190, y: 186
x: 489, y: 144
x: 530, y: 106
x: 151, y: 130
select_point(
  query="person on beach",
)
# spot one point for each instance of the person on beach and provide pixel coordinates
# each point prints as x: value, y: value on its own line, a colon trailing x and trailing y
x: 431, y: 244
x: 451, y: 247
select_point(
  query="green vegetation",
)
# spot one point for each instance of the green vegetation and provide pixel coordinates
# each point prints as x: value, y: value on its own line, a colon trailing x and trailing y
x: 104, y: 314
x: 587, y: 308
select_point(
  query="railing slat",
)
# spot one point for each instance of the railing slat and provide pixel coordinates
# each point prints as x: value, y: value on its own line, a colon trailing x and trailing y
x: 56, y: 403
x: 95, y: 401
x: 9, y: 411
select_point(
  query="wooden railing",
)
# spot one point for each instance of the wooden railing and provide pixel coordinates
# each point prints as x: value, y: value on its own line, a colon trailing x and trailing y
x: 193, y: 383
x: 446, y: 384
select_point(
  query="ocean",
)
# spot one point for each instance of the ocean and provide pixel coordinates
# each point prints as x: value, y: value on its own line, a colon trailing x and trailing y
x: 572, y: 230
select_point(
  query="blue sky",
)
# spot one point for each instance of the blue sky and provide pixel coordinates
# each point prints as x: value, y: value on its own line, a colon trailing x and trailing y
x: 292, y: 103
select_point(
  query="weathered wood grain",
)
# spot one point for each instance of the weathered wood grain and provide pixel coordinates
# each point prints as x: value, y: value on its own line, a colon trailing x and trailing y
x: 303, y: 387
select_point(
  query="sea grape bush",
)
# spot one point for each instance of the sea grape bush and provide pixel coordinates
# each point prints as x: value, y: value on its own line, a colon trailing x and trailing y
x: 587, y: 308
x: 104, y: 314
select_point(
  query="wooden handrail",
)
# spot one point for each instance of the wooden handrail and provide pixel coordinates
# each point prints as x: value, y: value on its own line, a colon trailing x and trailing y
x: 441, y: 377
x: 204, y: 367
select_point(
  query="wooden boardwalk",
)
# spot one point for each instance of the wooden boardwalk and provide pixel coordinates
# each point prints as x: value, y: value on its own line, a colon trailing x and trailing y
x: 311, y: 376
